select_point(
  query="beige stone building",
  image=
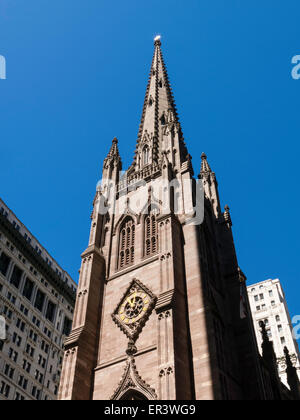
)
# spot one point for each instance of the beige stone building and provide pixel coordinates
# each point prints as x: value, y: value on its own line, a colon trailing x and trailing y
x: 36, y: 303
x: 162, y: 311
x: 268, y: 304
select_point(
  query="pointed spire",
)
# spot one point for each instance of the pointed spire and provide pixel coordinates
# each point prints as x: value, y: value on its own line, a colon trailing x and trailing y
x: 205, y: 168
x: 159, y: 109
x: 113, y: 154
x: 114, y: 150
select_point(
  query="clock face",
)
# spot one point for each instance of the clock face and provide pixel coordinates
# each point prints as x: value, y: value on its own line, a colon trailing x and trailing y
x: 134, y: 309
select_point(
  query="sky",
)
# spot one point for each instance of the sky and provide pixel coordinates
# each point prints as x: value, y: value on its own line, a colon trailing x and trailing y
x: 76, y: 77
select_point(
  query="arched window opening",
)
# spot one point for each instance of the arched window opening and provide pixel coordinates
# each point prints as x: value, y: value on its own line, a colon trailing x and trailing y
x: 151, y: 236
x: 146, y: 155
x: 126, y: 246
x: 132, y: 395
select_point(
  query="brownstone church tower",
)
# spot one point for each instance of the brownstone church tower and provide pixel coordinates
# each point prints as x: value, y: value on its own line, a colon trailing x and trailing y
x: 162, y: 309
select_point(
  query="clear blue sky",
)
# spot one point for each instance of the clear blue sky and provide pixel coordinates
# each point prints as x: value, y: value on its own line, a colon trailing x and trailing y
x: 76, y: 77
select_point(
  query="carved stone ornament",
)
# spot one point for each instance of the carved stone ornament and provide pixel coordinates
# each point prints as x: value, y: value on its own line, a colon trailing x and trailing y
x: 134, y: 309
x: 131, y: 380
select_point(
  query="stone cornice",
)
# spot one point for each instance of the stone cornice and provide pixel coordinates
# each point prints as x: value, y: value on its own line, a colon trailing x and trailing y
x: 124, y: 358
x: 92, y: 250
x: 165, y: 300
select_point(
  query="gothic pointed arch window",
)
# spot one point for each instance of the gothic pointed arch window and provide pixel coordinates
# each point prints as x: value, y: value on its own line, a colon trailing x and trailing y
x: 146, y: 155
x: 151, y: 235
x: 126, y: 243
x: 163, y: 119
x: 133, y: 395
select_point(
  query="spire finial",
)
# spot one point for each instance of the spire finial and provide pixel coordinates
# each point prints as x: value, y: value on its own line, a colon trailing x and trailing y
x: 157, y: 40
x: 114, y: 151
x: 204, y: 165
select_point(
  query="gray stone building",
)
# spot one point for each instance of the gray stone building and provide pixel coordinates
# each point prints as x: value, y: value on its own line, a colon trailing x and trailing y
x: 36, y: 304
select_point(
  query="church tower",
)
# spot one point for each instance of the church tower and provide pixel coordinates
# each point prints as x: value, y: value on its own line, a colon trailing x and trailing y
x: 162, y: 311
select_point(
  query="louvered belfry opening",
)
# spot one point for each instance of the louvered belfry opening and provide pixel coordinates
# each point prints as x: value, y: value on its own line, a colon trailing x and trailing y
x: 126, y: 247
x: 151, y: 235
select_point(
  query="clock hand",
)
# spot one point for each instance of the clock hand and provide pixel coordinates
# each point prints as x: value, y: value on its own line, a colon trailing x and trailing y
x: 130, y: 302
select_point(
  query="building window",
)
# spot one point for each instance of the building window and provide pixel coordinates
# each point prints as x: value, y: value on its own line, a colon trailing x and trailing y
x: 273, y: 303
x: 67, y: 326
x: 29, y: 350
x: 277, y: 318
x: 39, y: 300
x: 126, y: 246
x: 20, y: 324
x: 151, y: 235
x: 9, y: 371
x: 261, y: 296
x: 23, y: 382
x: 4, y: 263
x: 28, y: 289
x: 19, y: 397
x: 4, y: 389
x: 26, y: 365
x: 50, y: 311
x: 282, y: 339
x: 11, y: 297
x: 256, y: 298
x: 17, y: 339
x: 271, y: 293
x: 13, y: 355
x: 279, y: 328
x: 16, y: 277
